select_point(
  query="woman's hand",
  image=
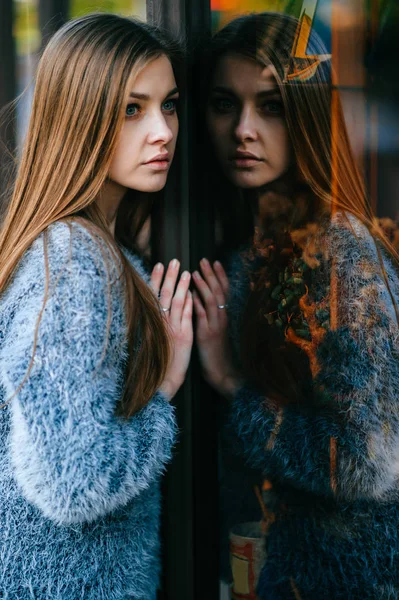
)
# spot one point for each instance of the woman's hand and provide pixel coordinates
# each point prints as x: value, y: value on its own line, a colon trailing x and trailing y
x: 177, y: 307
x: 211, y: 331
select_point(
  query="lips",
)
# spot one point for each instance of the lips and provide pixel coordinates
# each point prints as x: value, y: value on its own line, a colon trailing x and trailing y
x: 245, y: 156
x: 160, y: 162
x: 159, y: 158
x: 245, y: 160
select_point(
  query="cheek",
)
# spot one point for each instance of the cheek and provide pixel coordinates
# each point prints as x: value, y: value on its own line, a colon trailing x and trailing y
x: 132, y: 138
x: 278, y: 144
x: 286, y: 148
x: 119, y: 164
x: 219, y: 131
x: 116, y: 166
x: 125, y: 152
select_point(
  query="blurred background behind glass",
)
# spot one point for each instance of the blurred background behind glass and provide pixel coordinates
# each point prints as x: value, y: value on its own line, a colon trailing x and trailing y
x: 28, y: 38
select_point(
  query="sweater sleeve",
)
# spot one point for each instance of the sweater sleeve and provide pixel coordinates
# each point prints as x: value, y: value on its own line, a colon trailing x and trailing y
x: 347, y: 444
x: 72, y: 456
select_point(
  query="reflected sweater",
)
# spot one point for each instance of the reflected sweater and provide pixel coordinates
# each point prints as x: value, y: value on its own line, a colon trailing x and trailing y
x: 334, y: 461
x: 79, y: 486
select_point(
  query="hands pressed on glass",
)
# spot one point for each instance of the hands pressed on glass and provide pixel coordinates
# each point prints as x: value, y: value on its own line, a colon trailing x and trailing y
x: 211, y: 330
x: 177, y: 306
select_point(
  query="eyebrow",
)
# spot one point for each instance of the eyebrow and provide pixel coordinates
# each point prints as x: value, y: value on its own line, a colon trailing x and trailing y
x: 146, y: 96
x: 262, y: 94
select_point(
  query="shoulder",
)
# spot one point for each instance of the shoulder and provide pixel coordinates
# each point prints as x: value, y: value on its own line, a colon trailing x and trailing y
x: 71, y: 252
x: 83, y: 247
x: 353, y: 248
x: 70, y: 266
x: 346, y: 231
x: 79, y: 304
x: 362, y: 268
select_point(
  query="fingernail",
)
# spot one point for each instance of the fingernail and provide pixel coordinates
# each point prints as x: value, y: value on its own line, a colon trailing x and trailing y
x: 217, y: 263
x: 158, y: 267
x: 205, y: 261
x: 196, y: 274
x: 185, y: 275
x: 174, y: 263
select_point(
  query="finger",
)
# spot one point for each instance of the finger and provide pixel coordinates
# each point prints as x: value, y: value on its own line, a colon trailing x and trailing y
x: 179, y: 299
x: 187, y: 316
x: 186, y: 326
x: 198, y: 306
x: 222, y: 277
x: 156, y: 278
x: 212, y: 281
x: 202, y: 325
x: 169, y: 283
x: 208, y: 298
x: 188, y: 306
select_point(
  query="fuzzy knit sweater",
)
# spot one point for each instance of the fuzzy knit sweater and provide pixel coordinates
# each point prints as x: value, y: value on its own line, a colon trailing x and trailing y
x: 334, y: 461
x: 79, y: 486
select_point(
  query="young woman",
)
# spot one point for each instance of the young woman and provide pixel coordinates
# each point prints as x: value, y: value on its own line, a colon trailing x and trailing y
x: 89, y: 357
x: 312, y: 373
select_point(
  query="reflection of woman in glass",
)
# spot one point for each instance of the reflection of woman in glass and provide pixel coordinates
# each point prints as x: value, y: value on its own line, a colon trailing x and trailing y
x: 313, y: 374
x: 86, y: 426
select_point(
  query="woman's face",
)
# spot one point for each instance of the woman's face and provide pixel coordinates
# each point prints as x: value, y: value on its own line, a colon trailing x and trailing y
x: 245, y: 119
x: 147, y: 141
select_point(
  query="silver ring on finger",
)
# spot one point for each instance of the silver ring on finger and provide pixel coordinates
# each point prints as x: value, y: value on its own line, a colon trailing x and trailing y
x: 223, y: 306
x: 165, y: 309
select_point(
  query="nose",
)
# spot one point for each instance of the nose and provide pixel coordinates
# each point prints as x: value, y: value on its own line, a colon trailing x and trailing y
x: 245, y: 128
x: 160, y: 130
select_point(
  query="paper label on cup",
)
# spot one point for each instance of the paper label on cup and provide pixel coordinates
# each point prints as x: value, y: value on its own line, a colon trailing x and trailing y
x: 247, y: 556
x: 240, y: 569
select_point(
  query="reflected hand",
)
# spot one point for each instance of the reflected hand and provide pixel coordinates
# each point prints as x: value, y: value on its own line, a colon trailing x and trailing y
x: 211, y: 330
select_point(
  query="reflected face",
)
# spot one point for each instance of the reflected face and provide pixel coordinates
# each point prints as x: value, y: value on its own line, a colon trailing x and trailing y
x: 245, y: 119
x: 147, y: 142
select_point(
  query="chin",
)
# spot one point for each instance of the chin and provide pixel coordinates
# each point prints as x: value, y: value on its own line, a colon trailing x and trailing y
x: 250, y: 179
x: 154, y: 185
x: 151, y: 189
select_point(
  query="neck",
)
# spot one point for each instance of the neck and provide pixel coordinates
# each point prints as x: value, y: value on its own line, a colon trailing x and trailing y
x: 284, y: 203
x: 109, y: 201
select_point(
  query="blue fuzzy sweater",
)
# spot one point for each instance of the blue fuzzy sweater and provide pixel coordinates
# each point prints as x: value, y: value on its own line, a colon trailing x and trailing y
x: 79, y: 486
x: 334, y: 462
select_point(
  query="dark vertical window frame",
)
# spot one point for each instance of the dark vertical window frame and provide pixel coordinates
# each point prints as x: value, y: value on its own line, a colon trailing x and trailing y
x: 7, y: 48
x: 183, y: 227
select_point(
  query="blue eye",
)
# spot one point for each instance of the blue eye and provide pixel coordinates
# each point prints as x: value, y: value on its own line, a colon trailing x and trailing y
x: 132, y: 110
x: 170, y: 105
x: 222, y: 104
x: 274, y: 107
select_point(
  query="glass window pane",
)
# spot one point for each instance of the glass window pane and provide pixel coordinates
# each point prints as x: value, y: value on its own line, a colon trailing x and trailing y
x: 361, y: 39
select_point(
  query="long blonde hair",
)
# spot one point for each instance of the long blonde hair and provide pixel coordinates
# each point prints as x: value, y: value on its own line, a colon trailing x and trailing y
x: 77, y: 114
